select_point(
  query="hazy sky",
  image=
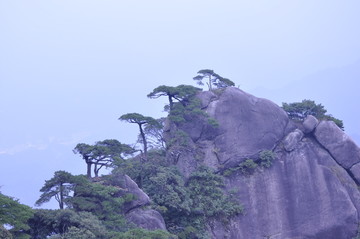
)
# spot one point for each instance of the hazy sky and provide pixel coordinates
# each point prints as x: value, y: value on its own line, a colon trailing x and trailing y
x: 70, y: 68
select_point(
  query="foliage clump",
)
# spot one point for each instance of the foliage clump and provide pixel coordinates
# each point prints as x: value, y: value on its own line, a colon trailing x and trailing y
x: 183, y: 113
x: 186, y: 205
x: 142, y: 121
x: 96, y: 210
x: 67, y: 224
x: 183, y: 105
x: 181, y: 94
x: 212, y: 79
x: 15, y: 216
x: 154, y: 135
x: 247, y: 167
x: 59, y: 187
x: 5, y: 234
x: 266, y: 158
x: 300, y: 110
x: 208, y: 199
x: 104, y: 201
x: 102, y: 154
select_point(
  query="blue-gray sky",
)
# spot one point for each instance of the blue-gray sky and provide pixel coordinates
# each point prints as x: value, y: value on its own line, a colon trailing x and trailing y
x: 69, y: 69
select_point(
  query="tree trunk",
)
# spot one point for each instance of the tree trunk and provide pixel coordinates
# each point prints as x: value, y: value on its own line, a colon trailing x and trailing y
x: 171, y: 103
x: 144, y: 141
x: 96, y: 171
x: 61, y: 200
x: 210, y: 84
x: 88, y: 173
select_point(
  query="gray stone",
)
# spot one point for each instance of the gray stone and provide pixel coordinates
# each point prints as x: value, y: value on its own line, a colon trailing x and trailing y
x: 135, y: 211
x: 146, y: 218
x: 355, y: 170
x: 206, y: 97
x: 341, y: 146
x: 305, y: 194
x: 310, y: 124
x: 141, y: 198
x: 292, y: 139
x: 247, y: 124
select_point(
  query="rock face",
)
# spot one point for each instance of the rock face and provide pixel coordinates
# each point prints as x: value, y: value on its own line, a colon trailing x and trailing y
x: 292, y: 140
x: 310, y: 124
x: 136, y: 213
x: 310, y: 191
x: 247, y: 125
x: 141, y: 198
x: 305, y: 194
x: 146, y: 218
x: 355, y: 170
x: 243, y: 129
x: 339, y: 145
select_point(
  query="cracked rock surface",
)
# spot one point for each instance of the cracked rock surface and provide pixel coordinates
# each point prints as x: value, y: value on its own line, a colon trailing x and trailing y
x: 311, y: 189
x: 340, y: 146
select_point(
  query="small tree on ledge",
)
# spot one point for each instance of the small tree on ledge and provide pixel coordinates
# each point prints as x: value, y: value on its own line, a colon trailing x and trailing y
x: 181, y: 93
x: 212, y: 79
x: 299, y: 111
x: 103, y: 153
x: 59, y: 187
x: 141, y: 121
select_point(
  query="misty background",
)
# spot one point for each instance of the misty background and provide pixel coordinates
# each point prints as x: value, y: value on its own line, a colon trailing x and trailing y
x: 70, y: 69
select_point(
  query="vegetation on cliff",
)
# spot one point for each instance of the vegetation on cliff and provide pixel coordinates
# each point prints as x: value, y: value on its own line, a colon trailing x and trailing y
x: 299, y: 110
x: 95, y: 206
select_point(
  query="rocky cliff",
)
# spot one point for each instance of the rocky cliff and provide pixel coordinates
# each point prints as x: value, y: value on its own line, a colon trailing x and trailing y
x: 136, y: 211
x: 311, y: 188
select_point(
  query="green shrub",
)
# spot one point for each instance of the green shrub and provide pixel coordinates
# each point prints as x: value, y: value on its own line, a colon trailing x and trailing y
x: 246, y: 167
x: 66, y: 224
x: 15, y: 215
x: 206, y: 192
x: 266, y: 158
x: 5, y: 234
x: 300, y: 110
x: 213, y: 122
x: 181, y: 138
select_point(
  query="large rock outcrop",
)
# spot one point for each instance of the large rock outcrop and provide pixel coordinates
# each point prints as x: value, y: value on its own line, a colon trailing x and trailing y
x: 136, y: 211
x: 311, y: 189
x: 339, y: 145
x: 247, y: 125
x: 146, y: 218
x: 243, y: 129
